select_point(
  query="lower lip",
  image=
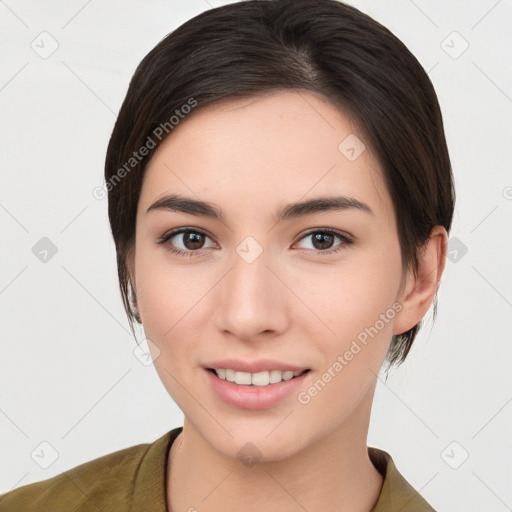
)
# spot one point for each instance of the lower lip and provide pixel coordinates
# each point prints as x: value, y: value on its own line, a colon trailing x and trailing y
x: 254, y: 397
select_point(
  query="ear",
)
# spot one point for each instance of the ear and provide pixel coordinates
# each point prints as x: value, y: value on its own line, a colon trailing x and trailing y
x: 418, y: 291
x: 130, y: 268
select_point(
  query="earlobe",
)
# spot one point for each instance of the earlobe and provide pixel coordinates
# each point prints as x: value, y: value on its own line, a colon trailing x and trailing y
x: 130, y: 268
x: 420, y: 289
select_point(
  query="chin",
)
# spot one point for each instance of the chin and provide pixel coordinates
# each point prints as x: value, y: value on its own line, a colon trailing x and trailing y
x: 262, y: 442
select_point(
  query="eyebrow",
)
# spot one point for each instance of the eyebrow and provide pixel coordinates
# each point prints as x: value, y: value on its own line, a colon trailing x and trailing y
x: 190, y: 206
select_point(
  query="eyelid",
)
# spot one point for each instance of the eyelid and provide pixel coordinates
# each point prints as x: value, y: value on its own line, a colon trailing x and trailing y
x: 345, y: 238
x: 341, y: 234
x: 178, y: 231
x: 345, y: 241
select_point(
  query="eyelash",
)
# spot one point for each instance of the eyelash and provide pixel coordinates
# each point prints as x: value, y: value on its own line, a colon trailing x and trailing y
x: 165, y: 238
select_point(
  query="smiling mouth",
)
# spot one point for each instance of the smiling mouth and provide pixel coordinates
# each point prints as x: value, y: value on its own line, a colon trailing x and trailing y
x: 259, y: 379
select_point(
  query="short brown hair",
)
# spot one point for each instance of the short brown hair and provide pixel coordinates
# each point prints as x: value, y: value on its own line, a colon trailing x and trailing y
x: 258, y: 46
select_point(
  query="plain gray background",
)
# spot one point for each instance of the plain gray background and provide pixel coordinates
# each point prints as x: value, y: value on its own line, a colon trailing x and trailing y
x: 69, y: 376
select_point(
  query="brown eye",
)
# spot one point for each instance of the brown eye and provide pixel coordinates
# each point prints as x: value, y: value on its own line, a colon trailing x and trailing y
x: 193, y: 240
x: 187, y: 242
x: 323, y: 241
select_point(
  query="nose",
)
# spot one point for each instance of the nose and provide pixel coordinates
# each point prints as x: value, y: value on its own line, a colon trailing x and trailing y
x: 252, y: 299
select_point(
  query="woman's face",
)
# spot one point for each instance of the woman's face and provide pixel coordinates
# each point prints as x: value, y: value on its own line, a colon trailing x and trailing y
x: 252, y: 285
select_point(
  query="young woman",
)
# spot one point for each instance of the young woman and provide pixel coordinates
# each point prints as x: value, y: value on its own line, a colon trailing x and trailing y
x: 280, y: 195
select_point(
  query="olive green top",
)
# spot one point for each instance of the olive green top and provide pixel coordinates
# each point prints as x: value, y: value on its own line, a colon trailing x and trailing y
x: 134, y: 479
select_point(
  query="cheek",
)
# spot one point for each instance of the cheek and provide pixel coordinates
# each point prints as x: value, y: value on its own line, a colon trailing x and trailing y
x: 168, y: 300
x: 161, y: 292
x: 173, y: 299
x: 353, y: 296
x: 358, y: 315
x: 359, y: 311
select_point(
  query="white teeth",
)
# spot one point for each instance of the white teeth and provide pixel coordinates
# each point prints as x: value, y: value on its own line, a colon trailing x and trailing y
x: 256, y: 379
x: 242, y: 378
x: 259, y: 379
x: 275, y: 376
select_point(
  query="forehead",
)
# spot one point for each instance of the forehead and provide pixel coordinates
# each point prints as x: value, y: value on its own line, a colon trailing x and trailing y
x: 266, y: 149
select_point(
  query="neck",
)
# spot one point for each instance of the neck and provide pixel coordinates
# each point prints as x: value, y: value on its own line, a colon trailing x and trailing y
x: 334, y: 473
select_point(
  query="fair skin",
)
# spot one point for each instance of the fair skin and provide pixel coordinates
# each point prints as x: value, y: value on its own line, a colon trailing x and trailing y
x: 249, y: 157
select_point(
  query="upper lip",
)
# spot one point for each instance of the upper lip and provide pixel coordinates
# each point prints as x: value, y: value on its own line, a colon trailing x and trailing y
x: 256, y: 366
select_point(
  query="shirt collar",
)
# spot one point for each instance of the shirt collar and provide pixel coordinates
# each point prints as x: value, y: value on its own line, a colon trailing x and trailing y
x: 149, y: 491
x: 396, y: 493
